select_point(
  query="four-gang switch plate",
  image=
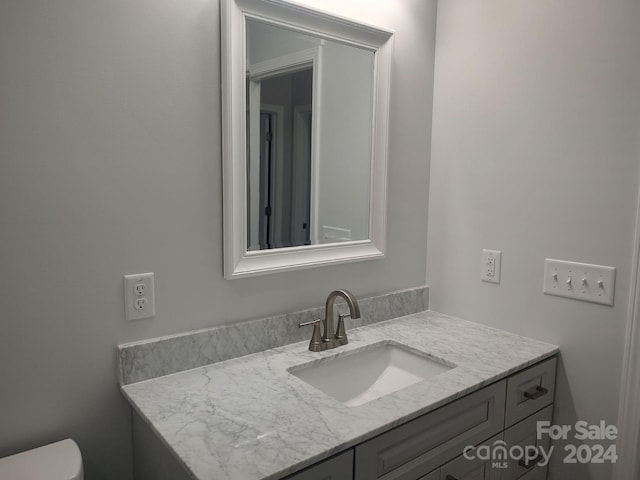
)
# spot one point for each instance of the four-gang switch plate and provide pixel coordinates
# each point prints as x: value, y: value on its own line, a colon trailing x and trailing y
x: 579, y: 281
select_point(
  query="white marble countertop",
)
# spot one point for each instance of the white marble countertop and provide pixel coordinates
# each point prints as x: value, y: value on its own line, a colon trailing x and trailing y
x: 249, y: 419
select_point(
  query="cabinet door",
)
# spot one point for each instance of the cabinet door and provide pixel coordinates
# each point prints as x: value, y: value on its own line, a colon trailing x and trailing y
x: 524, y: 435
x: 463, y: 468
x: 435, y: 475
x: 339, y: 467
x: 422, y: 445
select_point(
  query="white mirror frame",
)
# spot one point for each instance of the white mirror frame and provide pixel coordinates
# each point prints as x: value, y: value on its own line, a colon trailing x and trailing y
x: 238, y: 260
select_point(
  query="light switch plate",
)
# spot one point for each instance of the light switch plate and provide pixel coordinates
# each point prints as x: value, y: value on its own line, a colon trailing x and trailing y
x: 579, y: 281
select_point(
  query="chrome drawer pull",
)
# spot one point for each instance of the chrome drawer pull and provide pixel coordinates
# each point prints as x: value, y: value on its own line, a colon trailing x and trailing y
x: 536, y: 392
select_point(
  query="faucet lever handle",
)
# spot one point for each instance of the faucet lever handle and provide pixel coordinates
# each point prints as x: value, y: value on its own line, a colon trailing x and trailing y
x: 306, y: 324
x: 341, y: 333
x: 315, y: 345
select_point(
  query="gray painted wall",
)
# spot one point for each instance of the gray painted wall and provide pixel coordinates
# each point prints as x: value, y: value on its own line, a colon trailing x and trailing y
x: 535, y: 153
x: 110, y: 164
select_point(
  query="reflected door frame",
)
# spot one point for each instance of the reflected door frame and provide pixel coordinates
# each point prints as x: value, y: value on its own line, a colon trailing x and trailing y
x: 257, y: 72
x: 273, y: 177
x: 305, y: 179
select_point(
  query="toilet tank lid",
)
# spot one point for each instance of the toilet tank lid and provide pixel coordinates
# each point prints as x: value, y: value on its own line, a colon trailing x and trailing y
x: 56, y: 461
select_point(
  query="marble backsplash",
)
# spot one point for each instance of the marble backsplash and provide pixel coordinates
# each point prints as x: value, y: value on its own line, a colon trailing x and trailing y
x: 156, y: 357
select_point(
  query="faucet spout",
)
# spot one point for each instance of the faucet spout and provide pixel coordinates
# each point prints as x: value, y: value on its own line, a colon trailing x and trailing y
x: 329, y: 337
x: 332, y: 338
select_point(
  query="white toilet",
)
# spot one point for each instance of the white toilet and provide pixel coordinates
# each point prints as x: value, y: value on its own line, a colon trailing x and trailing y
x: 57, y: 461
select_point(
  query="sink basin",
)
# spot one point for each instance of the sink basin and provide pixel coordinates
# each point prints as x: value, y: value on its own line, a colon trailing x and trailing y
x: 363, y: 375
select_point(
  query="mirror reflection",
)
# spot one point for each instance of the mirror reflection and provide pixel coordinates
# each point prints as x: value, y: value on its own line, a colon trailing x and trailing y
x: 309, y: 138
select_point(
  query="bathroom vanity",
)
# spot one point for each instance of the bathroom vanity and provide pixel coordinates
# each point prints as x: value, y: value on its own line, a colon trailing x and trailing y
x: 251, y: 417
x: 434, y: 442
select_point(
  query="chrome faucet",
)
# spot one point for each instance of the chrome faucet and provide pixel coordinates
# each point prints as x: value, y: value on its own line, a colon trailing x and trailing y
x: 332, y: 339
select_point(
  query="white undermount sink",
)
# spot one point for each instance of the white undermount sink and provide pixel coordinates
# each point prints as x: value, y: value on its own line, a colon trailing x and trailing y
x: 361, y: 376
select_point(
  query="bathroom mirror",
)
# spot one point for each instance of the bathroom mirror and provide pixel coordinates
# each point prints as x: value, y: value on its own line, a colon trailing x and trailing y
x: 305, y: 107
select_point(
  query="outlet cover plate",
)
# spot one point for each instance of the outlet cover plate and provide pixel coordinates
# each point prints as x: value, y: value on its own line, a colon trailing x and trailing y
x: 139, y: 287
x: 579, y: 281
x: 491, y: 263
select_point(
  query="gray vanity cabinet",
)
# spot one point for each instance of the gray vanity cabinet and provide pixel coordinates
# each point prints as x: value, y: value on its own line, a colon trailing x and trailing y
x: 416, y: 448
x: 339, y: 467
x: 507, y: 410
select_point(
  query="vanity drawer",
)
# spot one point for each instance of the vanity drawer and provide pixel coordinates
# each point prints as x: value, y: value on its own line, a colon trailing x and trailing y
x: 535, y: 475
x: 530, y: 390
x: 524, y: 434
x: 422, y: 445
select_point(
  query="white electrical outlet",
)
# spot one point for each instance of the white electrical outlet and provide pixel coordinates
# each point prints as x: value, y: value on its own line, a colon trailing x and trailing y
x: 491, y: 260
x: 579, y: 281
x: 139, y: 296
